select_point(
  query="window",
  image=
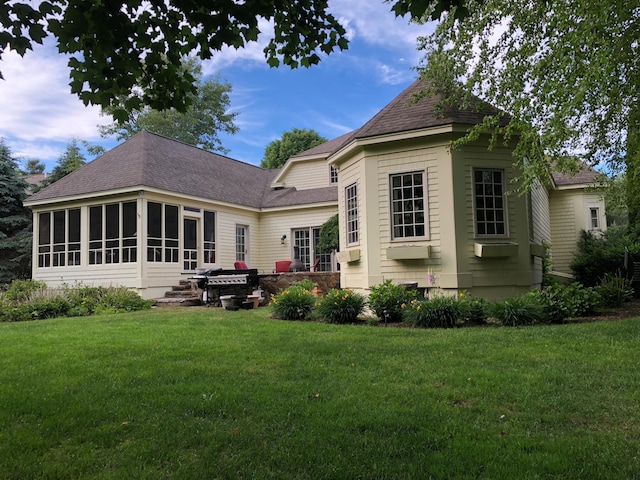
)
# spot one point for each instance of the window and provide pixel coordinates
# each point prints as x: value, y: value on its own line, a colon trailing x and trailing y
x: 241, y: 243
x: 351, y: 203
x: 112, y: 233
x: 171, y: 252
x: 594, y: 215
x: 408, y: 205
x: 162, y: 233
x: 209, y: 237
x: 59, y: 238
x: 489, y: 202
x: 333, y: 174
x: 306, y: 242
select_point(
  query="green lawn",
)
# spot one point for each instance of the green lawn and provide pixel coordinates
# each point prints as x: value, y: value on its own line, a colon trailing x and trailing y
x: 205, y: 393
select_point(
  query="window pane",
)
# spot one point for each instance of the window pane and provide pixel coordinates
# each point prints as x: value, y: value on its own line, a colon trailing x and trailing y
x: 407, y: 199
x: 44, y: 236
x: 95, y: 223
x: 171, y: 222
x: 74, y: 225
x: 154, y: 220
x: 129, y: 219
x: 112, y: 220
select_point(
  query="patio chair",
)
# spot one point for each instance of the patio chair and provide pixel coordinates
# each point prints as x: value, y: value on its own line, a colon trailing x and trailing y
x: 282, y: 266
x: 314, y: 268
x: 240, y: 266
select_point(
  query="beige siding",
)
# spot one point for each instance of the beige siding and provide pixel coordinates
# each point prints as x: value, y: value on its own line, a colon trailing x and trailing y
x: 570, y: 211
x: 274, y: 224
x: 540, y: 227
x: 304, y: 175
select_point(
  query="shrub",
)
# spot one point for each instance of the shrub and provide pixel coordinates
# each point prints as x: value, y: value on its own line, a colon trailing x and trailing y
x: 341, y: 306
x: 517, y: 311
x: 473, y: 308
x: 19, y: 290
x: 615, y: 290
x: 386, y: 300
x: 602, y: 254
x: 295, y: 302
x: 118, y: 299
x: 438, y: 312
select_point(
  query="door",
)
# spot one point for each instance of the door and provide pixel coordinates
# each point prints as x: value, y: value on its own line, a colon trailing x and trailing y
x: 242, y: 244
x: 190, y: 252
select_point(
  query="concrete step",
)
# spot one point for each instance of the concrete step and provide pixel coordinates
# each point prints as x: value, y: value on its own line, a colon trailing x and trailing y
x: 179, y: 294
x: 178, y: 301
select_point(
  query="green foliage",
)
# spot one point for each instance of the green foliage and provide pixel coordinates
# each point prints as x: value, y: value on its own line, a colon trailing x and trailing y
x: 599, y: 255
x: 31, y: 300
x: 291, y: 143
x: 329, y: 235
x: 614, y: 290
x: 549, y: 66
x: 517, y: 311
x: 438, y: 312
x: 386, y: 300
x: 20, y: 290
x: 116, y: 51
x: 295, y: 302
x: 207, y: 115
x: 473, y: 308
x: 15, y: 220
x: 70, y: 161
x: 341, y: 306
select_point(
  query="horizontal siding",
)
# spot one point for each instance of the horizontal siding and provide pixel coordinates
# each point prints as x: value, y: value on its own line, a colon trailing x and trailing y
x: 308, y: 174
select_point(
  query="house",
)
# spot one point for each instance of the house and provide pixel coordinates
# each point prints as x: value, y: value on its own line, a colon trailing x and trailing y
x: 411, y: 210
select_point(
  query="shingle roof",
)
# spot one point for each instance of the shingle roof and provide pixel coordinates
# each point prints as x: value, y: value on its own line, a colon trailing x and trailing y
x: 585, y: 176
x: 404, y: 114
x: 153, y: 161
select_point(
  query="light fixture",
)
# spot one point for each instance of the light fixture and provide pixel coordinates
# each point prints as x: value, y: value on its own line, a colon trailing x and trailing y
x: 283, y: 238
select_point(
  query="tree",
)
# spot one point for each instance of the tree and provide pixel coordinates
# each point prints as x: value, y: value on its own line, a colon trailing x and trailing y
x: 566, y: 75
x: 117, y: 45
x: 70, y: 161
x: 15, y: 220
x: 199, y: 125
x: 329, y: 235
x: 292, y: 142
x: 33, y: 166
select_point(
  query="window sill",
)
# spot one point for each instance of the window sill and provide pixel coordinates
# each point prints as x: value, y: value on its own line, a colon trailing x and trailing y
x: 408, y: 252
x: 348, y: 256
x: 495, y: 250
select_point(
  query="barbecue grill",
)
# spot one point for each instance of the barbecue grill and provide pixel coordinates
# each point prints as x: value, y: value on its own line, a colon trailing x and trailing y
x: 218, y: 280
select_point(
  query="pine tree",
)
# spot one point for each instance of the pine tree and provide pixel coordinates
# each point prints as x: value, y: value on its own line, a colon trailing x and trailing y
x: 15, y: 220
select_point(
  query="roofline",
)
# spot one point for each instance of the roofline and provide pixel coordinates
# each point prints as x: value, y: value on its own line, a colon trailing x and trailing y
x: 299, y: 206
x: 276, y: 183
x: 358, y: 143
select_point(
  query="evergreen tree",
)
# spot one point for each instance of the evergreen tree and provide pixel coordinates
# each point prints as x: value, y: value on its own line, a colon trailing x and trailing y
x: 15, y: 220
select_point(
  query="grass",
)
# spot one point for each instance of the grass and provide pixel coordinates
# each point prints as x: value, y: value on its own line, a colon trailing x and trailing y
x: 206, y: 393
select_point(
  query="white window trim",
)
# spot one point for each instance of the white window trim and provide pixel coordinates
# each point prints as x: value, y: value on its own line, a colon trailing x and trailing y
x: 347, y: 230
x: 505, y: 205
x: 425, y: 199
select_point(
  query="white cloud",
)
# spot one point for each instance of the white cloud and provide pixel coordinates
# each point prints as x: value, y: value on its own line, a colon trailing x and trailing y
x: 36, y: 100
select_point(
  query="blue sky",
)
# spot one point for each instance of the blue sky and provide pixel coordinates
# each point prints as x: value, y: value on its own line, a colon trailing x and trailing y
x: 38, y: 115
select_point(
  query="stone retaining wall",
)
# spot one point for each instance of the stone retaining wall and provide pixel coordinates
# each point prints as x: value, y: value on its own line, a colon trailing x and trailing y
x: 274, y: 283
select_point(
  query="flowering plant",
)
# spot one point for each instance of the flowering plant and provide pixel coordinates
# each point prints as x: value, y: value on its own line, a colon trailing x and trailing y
x: 341, y: 306
x: 293, y: 303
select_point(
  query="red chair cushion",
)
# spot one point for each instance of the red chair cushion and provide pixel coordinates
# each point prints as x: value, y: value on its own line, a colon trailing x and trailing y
x: 240, y: 266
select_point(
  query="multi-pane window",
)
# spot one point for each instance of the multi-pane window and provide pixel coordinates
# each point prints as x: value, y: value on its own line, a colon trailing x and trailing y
x: 489, y: 202
x: 333, y: 174
x: 408, y: 205
x: 209, y: 237
x: 241, y: 243
x: 594, y: 217
x: 162, y: 233
x: 305, y: 241
x: 171, y: 252
x: 324, y: 265
x: 59, y: 238
x: 351, y: 204
x: 112, y: 233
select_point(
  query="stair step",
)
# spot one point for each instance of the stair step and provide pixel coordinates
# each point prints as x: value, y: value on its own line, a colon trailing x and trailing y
x: 178, y: 302
x: 179, y: 294
x: 181, y: 288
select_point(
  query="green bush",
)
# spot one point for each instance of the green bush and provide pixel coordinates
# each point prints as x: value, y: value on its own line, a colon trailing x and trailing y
x: 615, y: 290
x: 341, y: 306
x: 119, y: 299
x: 473, y: 308
x: 19, y: 290
x: 295, y: 302
x: 437, y: 312
x: 386, y: 300
x: 517, y: 311
x: 33, y: 301
x: 603, y: 254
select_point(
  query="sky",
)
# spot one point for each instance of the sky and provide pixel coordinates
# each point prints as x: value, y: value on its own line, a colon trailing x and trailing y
x: 39, y: 116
